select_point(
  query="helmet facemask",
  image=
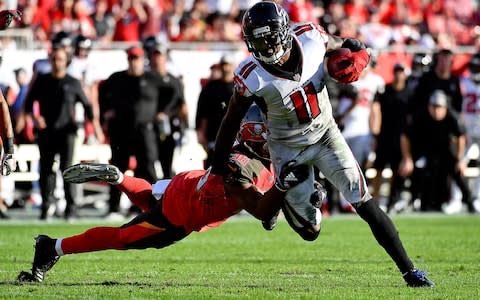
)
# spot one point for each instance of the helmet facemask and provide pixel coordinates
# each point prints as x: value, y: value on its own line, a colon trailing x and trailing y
x: 266, y: 31
x: 269, y: 46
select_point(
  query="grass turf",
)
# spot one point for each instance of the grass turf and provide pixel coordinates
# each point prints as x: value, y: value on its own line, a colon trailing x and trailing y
x: 241, y: 260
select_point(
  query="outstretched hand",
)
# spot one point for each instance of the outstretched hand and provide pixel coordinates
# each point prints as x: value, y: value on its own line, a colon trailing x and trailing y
x: 7, y: 16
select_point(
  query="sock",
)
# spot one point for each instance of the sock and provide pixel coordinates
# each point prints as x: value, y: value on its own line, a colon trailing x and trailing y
x: 138, y: 190
x: 120, y: 179
x: 385, y: 233
x: 103, y: 238
x: 58, y: 247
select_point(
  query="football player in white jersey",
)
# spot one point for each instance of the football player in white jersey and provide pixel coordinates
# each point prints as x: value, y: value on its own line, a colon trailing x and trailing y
x: 285, y: 76
x: 470, y: 87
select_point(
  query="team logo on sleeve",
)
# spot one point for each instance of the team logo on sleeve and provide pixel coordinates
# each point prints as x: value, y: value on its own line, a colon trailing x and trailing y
x: 239, y: 85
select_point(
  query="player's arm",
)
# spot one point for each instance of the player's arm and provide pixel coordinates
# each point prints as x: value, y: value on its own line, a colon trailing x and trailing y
x: 347, y: 57
x: 89, y: 111
x: 237, y: 108
x: 6, y: 132
x: 261, y: 206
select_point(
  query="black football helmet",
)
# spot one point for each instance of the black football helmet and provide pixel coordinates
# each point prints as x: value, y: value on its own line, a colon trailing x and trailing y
x: 266, y: 31
x: 474, y: 67
x: 82, y: 42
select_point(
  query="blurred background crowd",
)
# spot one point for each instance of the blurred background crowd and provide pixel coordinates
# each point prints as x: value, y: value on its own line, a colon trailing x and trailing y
x: 380, y: 23
x: 411, y: 119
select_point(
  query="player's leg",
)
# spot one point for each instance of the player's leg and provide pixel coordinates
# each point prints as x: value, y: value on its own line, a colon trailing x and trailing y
x: 138, y: 190
x: 299, y: 207
x: 337, y: 163
x: 47, y: 148
x: 148, y: 230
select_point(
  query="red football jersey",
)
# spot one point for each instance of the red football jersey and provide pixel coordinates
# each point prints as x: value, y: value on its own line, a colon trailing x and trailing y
x: 185, y: 205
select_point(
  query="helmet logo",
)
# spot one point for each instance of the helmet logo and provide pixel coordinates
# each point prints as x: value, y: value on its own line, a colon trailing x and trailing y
x: 261, y: 30
x: 258, y: 129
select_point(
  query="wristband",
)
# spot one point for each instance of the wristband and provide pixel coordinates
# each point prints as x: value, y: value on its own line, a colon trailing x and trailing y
x: 8, y: 145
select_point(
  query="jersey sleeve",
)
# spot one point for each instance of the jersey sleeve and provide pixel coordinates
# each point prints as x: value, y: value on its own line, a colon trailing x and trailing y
x: 310, y: 29
x: 245, y: 79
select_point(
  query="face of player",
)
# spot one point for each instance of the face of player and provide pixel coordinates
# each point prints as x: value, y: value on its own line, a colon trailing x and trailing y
x: 444, y: 63
x: 59, y: 59
x: 135, y: 65
x: 159, y: 60
x: 438, y: 113
x: 269, y: 49
x: 399, y: 76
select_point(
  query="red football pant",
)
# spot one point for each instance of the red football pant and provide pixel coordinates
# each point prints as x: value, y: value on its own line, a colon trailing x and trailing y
x: 149, y: 229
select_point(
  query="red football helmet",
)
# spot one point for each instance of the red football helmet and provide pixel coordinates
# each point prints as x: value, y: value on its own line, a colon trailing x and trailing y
x: 253, y: 132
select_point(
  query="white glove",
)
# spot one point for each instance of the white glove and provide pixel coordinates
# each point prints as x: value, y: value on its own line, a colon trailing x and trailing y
x: 8, y: 164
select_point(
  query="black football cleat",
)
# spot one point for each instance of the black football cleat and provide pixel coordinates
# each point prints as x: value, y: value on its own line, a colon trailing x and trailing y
x: 84, y: 172
x: 270, y: 224
x: 45, y: 257
x: 417, y: 278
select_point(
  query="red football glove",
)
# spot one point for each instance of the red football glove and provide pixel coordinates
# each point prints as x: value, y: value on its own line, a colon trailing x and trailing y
x: 6, y: 17
x: 358, y: 61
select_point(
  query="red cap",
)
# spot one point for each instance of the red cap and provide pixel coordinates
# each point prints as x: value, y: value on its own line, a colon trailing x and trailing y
x: 135, y: 51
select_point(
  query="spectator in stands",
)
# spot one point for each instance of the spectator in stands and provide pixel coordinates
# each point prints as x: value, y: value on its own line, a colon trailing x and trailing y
x: 103, y: 21
x: 439, y: 78
x: 128, y: 21
x: 129, y: 103
x: 429, y: 139
x: 391, y: 106
x: 172, y: 118
x: 56, y: 93
x: 212, y: 104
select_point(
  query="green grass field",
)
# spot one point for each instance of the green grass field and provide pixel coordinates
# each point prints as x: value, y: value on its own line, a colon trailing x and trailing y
x: 241, y: 260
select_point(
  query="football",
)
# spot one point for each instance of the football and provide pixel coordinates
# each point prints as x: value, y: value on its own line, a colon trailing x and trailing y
x: 337, y: 60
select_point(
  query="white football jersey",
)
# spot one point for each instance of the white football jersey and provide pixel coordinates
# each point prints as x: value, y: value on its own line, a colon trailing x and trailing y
x: 357, y: 121
x: 298, y: 111
x: 471, y: 106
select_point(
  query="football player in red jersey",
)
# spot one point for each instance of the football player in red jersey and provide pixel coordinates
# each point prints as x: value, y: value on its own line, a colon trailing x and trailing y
x: 172, y: 209
x: 285, y: 76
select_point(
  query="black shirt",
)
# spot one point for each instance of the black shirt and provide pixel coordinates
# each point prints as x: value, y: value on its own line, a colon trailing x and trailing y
x: 212, y: 105
x: 432, y: 138
x: 430, y: 82
x: 134, y: 100
x: 171, y: 91
x: 393, y: 106
x: 57, y: 98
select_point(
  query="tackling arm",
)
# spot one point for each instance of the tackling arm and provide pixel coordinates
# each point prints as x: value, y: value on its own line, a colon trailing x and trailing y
x: 261, y: 206
x: 237, y: 108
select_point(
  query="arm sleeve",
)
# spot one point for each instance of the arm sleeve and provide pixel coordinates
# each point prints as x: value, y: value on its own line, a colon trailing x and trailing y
x: 237, y: 108
x: 32, y: 95
x: 201, y: 107
x: 82, y: 98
